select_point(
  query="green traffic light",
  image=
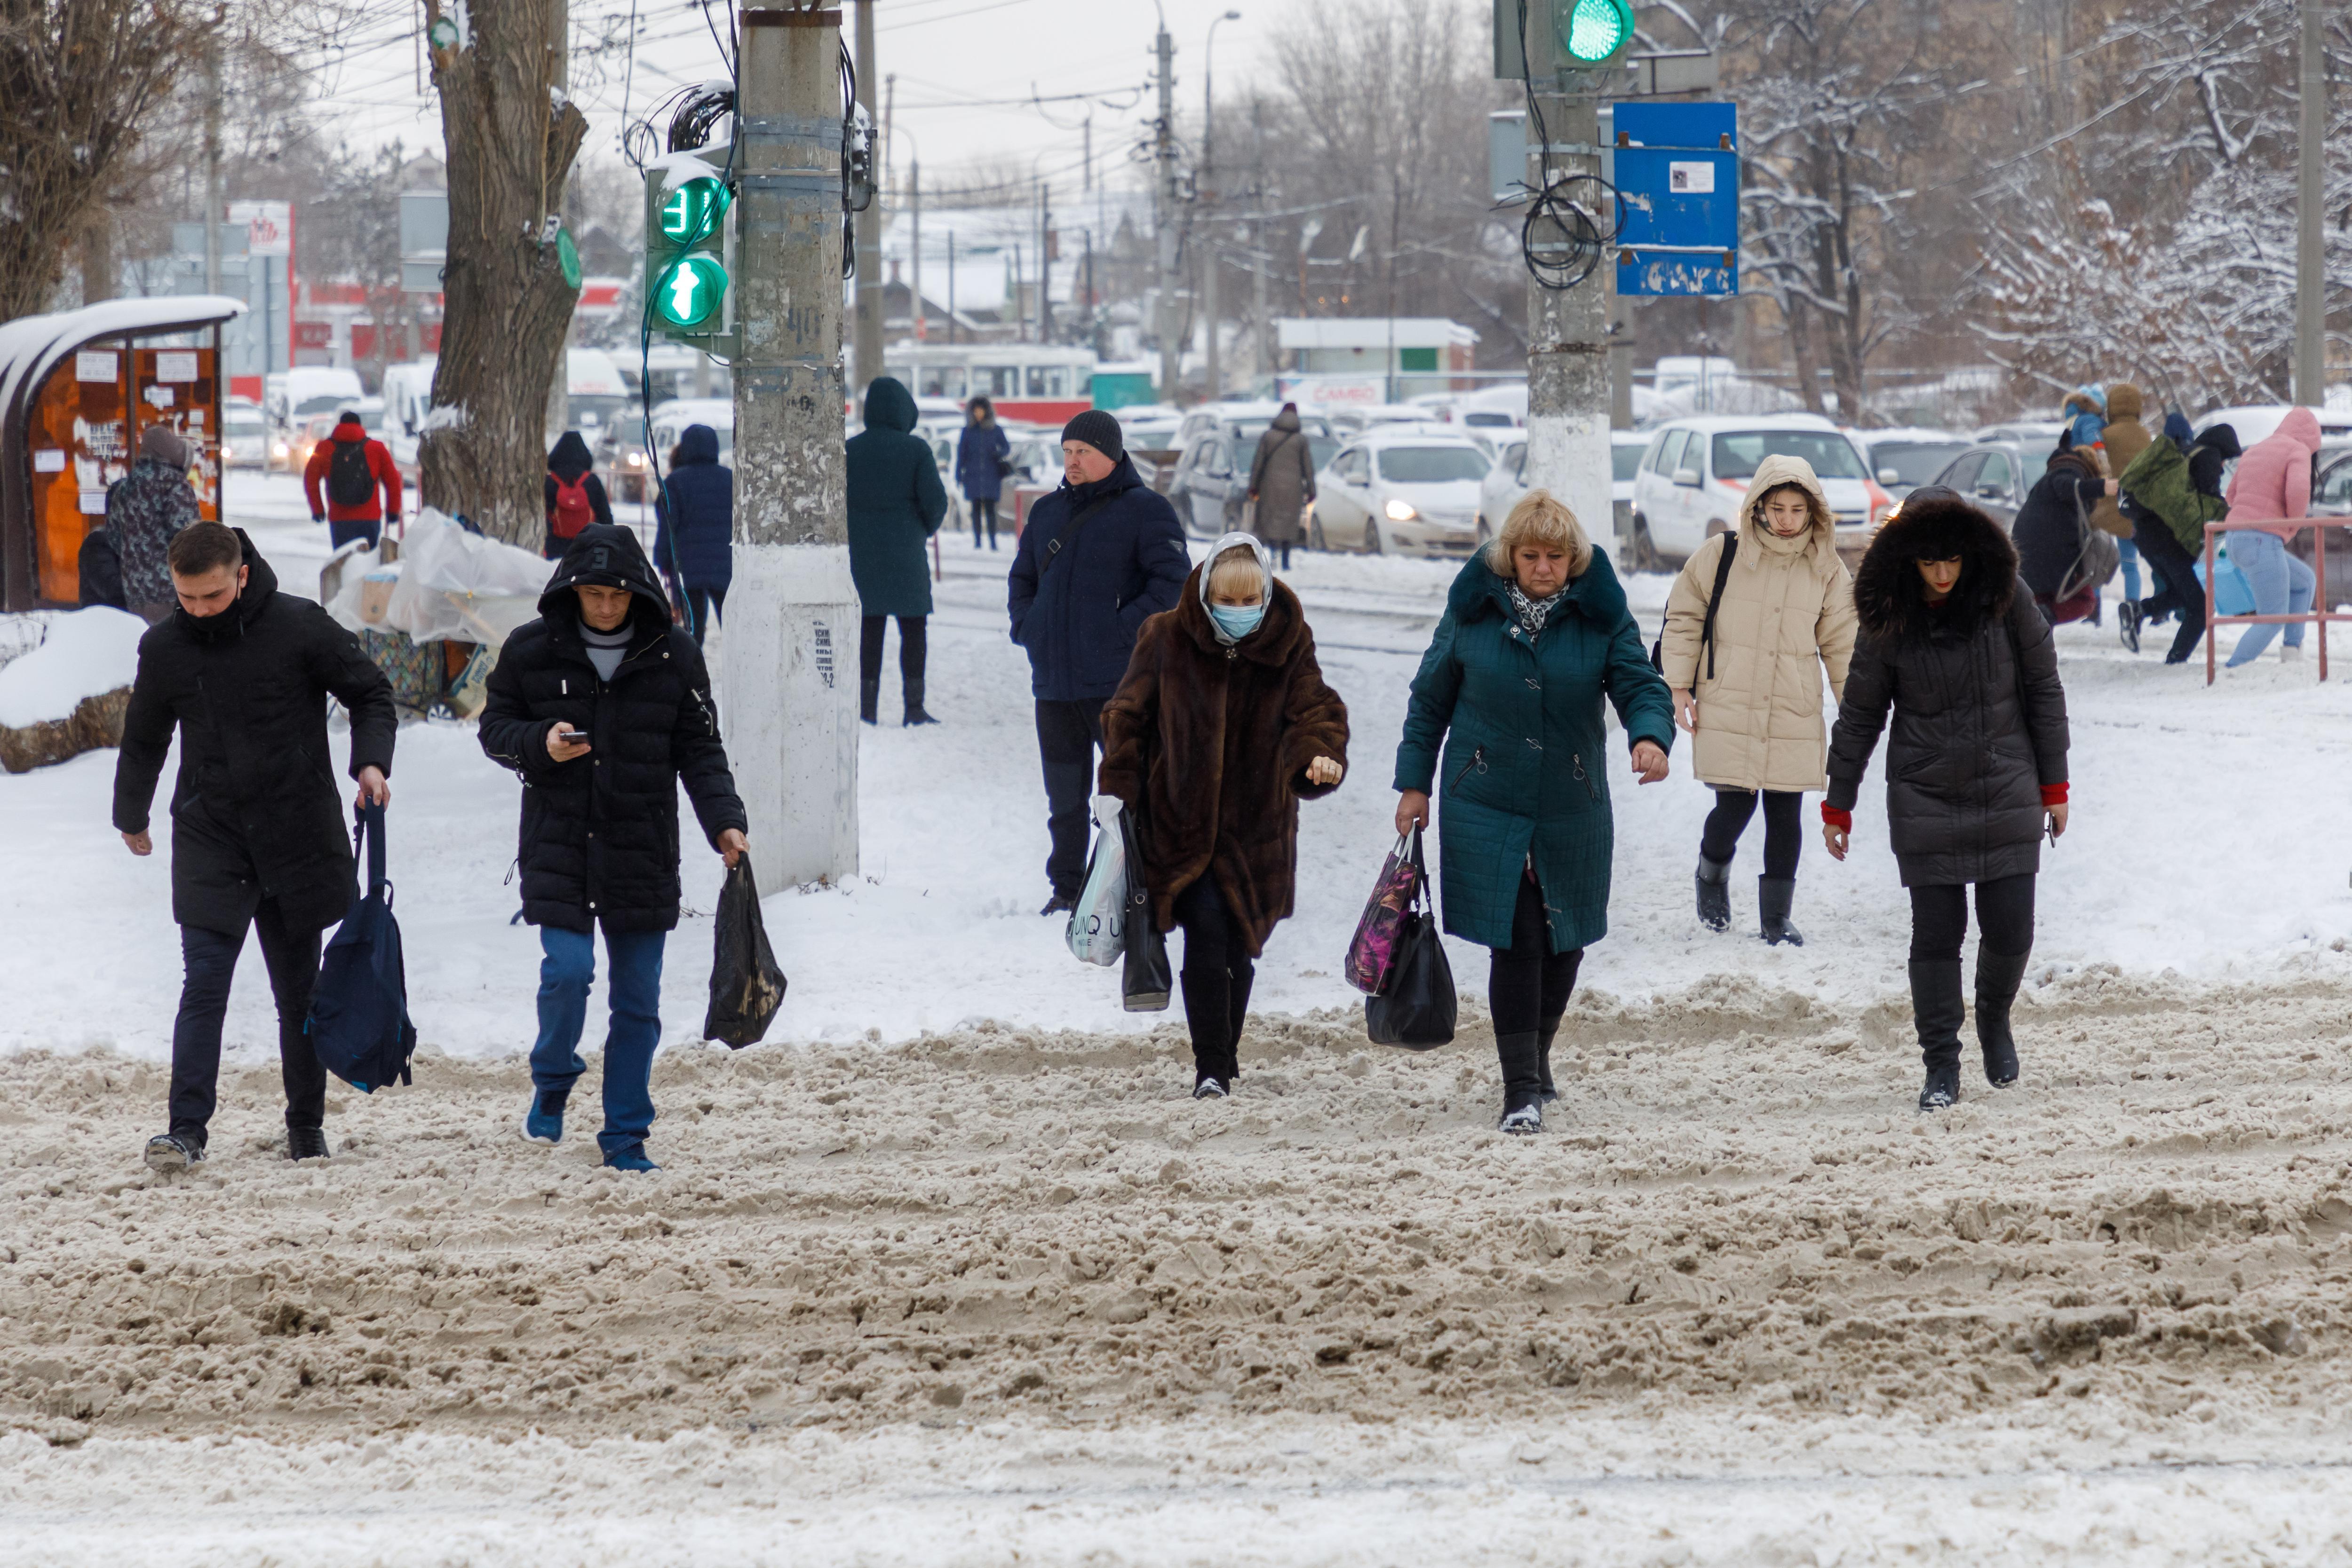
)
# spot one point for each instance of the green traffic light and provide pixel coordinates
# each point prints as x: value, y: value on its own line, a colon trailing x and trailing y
x: 688, y: 294
x: 1595, y: 30
x: 691, y: 212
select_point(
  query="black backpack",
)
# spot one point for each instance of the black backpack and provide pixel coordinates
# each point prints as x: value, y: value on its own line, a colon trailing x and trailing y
x: 1714, y: 602
x: 350, y: 481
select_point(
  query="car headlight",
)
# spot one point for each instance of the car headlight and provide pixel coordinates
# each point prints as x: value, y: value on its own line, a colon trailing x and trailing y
x: 1400, y: 511
x: 636, y: 459
x: 284, y: 450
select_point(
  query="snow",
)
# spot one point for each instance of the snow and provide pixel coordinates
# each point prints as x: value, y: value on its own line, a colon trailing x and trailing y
x: 87, y: 653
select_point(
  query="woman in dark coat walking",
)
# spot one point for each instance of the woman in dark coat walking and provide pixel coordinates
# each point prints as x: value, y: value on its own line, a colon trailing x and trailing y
x: 1975, y: 769
x: 981, y: 452
x: 575, y: 497
x: 1281, y: 482
x: 1222, y: 727
x: 1534, y: 635
x: 2059, y: 553
x: 896, y: 505
x: 693, y: 528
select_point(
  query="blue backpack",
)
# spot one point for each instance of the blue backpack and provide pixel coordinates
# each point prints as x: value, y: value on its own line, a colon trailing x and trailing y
x: 358, y: 1014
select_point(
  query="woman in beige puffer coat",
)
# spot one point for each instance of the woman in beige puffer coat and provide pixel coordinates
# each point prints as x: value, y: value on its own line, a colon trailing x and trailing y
x: 1751, y: 696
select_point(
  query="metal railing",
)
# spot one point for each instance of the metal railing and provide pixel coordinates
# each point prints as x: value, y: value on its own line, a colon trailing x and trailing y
x: 2319, y: 610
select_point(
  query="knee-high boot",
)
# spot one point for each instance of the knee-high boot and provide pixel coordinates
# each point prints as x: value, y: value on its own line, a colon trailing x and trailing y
x: 1937, y: 1011
x: 1997, y: 977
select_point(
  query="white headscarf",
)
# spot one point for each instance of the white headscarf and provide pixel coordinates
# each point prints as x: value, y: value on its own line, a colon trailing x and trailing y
x: 1256, y: 547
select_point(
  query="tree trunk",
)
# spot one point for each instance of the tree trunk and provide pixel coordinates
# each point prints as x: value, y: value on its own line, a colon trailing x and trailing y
x: 1800, y: 351
x: 101, y: 274
x: 507, y: 306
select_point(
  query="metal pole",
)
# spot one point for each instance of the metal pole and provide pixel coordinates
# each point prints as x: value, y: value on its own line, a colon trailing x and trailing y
x: 1172, y: 353
x: 2310, y: 276
x: 1568, y: 346
x: 869, y: 224
x: 915, y: 247
x: 1261, y: 329
x: 788, y: 638
x: 212, y: 168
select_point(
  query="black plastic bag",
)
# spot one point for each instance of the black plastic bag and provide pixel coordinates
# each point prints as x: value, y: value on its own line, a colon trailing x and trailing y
x: 1144, y: 980
x: 1415, y: 1010
x: 746, y: 985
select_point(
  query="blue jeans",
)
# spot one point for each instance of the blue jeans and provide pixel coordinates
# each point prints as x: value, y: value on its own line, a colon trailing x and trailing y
x: 564, y: 974
x: 2130, y: 554
x: 2282, y: 585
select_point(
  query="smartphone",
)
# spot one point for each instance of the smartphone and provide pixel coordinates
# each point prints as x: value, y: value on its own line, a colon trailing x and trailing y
x: 575, y: 737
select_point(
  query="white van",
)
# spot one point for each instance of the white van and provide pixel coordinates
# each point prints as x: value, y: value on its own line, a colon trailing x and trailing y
x: 407, y: 399
x: 1696, y: 473
x: 291, y: 396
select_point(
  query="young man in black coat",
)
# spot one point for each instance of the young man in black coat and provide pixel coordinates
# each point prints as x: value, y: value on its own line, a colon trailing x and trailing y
x: 258, y: 836
x: 603, y: 708
x: 1099, y: 556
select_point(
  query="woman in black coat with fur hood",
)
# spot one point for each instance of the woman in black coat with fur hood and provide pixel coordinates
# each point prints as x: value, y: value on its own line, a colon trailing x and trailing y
x: 1952, y: 644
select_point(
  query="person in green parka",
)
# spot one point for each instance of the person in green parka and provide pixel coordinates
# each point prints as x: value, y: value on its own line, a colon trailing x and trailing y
x: 1535, y: 634
x: 895, y: 504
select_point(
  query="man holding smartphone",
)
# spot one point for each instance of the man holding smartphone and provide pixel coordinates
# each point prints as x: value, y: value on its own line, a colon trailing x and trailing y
x: 604, y: 709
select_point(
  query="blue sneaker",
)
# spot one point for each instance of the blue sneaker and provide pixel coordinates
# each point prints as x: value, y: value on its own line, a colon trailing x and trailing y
x: 544, y: 1122
x: 632, y: 1158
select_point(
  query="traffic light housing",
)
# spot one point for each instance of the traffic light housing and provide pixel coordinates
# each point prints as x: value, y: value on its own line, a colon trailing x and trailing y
x: 1593, y: 34
x: 689, y: 210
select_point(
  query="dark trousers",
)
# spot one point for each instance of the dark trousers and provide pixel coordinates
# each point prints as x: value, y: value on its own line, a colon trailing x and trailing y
x: 913, y: 646
x: 983, y: 510
x: 210, y: 957
x: 2183, y: 594
x: 1067, y: 735
x: 340, y: 534
x: 1283, y: 551
x: 1528, y: 984
x: 704, y: 605
x: 1939, y: 918
x: 1217, y: 975
x: 1784, y: 836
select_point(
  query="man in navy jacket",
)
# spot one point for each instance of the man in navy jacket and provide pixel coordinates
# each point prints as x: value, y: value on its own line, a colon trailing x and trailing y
x: 1097, y: 558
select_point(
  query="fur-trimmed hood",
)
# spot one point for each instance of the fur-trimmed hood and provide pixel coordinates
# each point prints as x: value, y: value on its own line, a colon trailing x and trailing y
x: 1890, y: 599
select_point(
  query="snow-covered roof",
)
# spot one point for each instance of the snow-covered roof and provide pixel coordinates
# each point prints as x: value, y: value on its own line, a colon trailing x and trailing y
x: 1371, y: 332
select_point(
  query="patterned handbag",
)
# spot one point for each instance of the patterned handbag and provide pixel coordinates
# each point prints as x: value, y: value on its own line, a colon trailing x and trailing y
x: 1372, y: 955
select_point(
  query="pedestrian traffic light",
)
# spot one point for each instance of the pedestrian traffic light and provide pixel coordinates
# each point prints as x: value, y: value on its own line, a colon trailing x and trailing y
x: 686, y: 250
x: 1593, y: 34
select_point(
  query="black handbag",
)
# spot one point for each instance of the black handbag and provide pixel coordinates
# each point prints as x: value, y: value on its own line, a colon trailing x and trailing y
x: 1145, y: 982
x: 1415, y: 1008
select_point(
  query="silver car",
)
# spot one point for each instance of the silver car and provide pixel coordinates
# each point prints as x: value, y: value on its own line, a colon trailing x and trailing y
x: 1399, y: 493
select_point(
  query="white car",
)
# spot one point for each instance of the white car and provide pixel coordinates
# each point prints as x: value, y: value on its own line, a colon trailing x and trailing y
x: 1696, y: 470
x: 245, y: 434
x: 1506, y: 481
x: 1400, y: 492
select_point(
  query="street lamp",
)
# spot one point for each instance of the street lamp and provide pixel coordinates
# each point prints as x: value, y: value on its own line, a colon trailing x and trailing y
x: 1208, y: 89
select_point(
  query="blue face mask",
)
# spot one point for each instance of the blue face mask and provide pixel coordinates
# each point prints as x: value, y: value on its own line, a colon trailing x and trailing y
x: 1237, y: 620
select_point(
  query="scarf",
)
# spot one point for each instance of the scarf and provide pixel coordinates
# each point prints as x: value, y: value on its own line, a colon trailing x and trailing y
x: 1532, y: 612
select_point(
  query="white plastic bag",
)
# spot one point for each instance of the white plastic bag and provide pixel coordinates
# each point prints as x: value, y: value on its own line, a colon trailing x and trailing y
x: 463, y: 587
x: 1097, y: 933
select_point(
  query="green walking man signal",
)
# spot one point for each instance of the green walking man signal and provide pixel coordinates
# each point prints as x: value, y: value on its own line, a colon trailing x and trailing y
x: 686, y: 249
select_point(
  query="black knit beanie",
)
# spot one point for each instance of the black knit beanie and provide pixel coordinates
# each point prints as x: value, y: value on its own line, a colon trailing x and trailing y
x: 1098, y: 430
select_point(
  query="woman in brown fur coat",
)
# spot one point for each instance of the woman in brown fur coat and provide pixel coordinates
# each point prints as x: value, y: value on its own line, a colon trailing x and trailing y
x: 1222, y: 727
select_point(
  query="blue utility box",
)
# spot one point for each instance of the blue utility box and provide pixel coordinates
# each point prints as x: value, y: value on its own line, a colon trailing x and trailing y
x: 1679, y: 185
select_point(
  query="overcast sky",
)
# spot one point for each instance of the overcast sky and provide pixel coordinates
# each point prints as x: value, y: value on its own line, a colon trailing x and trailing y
x: 965, y: 70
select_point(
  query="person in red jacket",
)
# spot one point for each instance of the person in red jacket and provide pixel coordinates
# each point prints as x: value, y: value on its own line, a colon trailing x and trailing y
x: 352, y: 467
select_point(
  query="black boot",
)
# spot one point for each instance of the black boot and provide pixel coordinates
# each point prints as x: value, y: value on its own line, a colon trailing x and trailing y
x: 870, y: 697
x: 1522, y: 1059
x: 915, y: 714
x: 1714, y: 893
x: 1206, y: 1018
x: 306, y: 1143
x: 1236, y: 1015
x: 1937, y: 1011
x: 1543, y: 1059
x: 1774, y: 894
x: 1997, y: 977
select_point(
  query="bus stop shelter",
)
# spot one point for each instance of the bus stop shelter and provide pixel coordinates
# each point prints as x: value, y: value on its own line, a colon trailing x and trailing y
x: 78, y: 389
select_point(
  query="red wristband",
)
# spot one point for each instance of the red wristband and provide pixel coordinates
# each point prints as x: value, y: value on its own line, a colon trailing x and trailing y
x: 2053, y: 794
x: 1835, y: 818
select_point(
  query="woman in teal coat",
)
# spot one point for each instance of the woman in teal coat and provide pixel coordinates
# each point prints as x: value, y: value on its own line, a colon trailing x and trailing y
x: 1535, y: 633
x: 896, y: 505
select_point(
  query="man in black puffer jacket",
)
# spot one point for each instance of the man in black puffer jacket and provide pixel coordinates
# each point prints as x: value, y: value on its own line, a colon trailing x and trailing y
x: 604, y: 709
x: 1097, y: 558
x: 242, y: 672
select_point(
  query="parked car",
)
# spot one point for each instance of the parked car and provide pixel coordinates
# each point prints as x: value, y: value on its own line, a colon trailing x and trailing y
x: 622, y: 457
x: 1996, y: 474
x: 2258, y: 421
x: 1211, y: 480
x: 1402, y: 493
x: 245, y: 434
x: 1506, y: 482
x: 1904, y: 459
x: 1149, y: 426
x: 1696, y: 471
x: 2044, y: 432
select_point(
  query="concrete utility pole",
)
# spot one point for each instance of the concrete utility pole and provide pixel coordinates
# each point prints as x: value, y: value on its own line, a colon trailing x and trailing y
x: 914, y: 243
x: 789, y: 655
x: 2310, y: 268
x: 1568, y: 341
x: 869, y: 224
x: 1163, y: 152
x: 214, y: 206
x: 1214, y: 366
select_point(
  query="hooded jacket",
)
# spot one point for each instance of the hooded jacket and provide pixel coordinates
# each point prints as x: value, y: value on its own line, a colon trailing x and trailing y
x: 256, y: 811
x: 896, y: 505
x: 381, y: 468
x: 1208, y: 742
x: 144, y: 509
x: 1076, y: 611
x: 1787, y: 615
x: 2125, y: 436
x: 978, y: 448
x: 599, y: 840
x: 694, y: 515
x: 2085, y: 414
x: 1282, y: 477
x: 569, y: 461
x: 1978, y: 746
x: 1526, y: 760
x: 2161, y: 486
x: 2273, y: 483
x: 2052, y: 527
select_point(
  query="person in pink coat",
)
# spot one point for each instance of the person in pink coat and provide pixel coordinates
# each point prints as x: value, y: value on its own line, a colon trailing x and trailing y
x: 2273, y: 484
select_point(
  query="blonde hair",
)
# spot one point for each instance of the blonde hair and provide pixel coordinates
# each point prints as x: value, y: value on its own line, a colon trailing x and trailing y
x: 1540, y: 518
x: 1226, y: 572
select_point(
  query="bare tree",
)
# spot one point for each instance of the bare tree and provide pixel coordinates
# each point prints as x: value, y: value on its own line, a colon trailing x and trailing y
x: 511, y: 136
x: 79, y: 82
